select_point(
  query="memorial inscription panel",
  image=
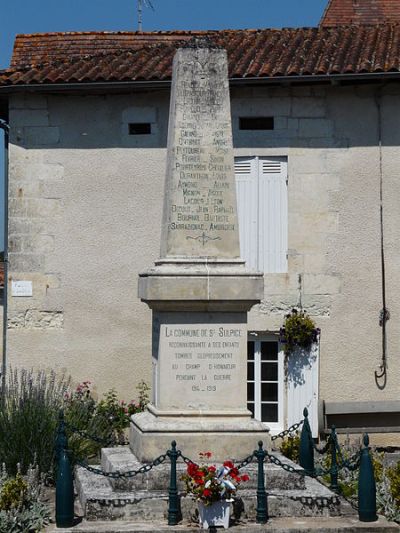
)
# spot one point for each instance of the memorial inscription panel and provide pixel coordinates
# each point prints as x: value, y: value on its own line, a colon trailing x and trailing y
x: 202, y: 364
x: 200, y: 217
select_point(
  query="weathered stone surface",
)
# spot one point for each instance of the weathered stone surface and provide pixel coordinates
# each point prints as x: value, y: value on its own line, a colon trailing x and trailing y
x: 101, y: 502
x: 200, y: 216
x: 121, y: 459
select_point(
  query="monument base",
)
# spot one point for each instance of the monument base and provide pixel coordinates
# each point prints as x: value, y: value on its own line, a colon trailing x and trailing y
x: 227, y: 437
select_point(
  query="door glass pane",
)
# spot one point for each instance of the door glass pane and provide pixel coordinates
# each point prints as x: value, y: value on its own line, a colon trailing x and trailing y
x: 250, y: 392
x: 269, y: 412
x: 250, y: 350
x: 269, y: 392
x: 269, y: 351
x: 250, y: 407
x: 250, y: 371
x: 269, y: 372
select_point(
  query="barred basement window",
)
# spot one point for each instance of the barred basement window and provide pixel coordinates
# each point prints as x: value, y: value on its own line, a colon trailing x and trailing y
x: 256, y: 123
x: 140, y: 128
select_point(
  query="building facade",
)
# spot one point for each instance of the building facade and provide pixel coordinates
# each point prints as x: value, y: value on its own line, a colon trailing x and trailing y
x: 316, y: 143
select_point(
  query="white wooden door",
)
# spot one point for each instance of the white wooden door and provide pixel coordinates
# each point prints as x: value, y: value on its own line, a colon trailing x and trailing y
x: 302, y: 386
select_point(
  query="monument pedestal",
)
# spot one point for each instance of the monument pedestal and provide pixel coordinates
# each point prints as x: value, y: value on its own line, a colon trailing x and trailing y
x: 225, y: 437
x: 199, y: 360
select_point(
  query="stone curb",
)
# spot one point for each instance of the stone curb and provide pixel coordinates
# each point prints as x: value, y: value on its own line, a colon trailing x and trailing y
x: 277, y: 525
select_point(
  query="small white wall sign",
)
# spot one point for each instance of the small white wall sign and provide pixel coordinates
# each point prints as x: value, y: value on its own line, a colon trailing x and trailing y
x: 21, y: 288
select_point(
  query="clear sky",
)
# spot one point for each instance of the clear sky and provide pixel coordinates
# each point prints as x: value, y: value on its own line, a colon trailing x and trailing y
x: 27, y: 16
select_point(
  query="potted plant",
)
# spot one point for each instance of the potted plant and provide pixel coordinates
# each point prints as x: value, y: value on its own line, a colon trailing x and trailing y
x: 213, y: 488
x: 298, y: 330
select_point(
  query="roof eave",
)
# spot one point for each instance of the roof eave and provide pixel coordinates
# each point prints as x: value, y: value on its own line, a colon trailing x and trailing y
x: 156, y: 84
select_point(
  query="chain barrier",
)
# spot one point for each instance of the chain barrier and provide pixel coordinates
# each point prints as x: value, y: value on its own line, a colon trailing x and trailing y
x: 289, y: 468
x: 288, y: 431
x: 85, y: 435
x: 352, y: 463
x: 245, y: 461
x: 129, y: 474
x: 186, y: 460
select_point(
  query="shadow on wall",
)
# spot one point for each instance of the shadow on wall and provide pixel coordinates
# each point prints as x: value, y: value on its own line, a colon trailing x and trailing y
x: 314, y: 117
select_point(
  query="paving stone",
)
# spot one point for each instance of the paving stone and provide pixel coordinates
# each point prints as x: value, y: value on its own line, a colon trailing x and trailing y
x: 276, y: 525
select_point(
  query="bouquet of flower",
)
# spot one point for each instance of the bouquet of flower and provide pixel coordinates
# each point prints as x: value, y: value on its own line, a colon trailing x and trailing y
x: 210, y: 484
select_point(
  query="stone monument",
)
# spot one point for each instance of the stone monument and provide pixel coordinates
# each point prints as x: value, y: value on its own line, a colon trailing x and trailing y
x: 199, y: 290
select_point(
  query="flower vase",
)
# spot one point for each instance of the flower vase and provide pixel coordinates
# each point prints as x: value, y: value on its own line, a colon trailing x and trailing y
x: 216, y: 514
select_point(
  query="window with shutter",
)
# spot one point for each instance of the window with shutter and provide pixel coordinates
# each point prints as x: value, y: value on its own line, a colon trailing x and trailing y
x: 261, y: 184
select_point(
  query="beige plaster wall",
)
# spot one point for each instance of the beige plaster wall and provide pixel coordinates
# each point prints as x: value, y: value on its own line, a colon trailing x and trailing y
x: 85, y: 215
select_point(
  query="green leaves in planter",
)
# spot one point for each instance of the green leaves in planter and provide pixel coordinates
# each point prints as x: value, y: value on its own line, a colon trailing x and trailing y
x: 298, y: 330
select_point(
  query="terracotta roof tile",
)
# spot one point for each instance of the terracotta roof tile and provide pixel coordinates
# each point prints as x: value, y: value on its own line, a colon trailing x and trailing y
x: 342, y: 12
x: 109, y: 57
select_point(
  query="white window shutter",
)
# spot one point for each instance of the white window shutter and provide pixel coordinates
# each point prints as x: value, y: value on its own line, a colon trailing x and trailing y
x: 247, y: 203
x: 261, y: 185
x: 273, y: 215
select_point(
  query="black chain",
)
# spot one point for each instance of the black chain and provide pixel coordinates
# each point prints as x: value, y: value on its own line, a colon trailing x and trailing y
x: 245, y: 461
x: 85, y: 435
x: 131, y: 473
x: 288, y: 431
x: 285, y: 466
x: 186, y: 460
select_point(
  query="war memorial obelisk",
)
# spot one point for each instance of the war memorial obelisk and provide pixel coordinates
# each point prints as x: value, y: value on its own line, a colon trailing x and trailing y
x: 199, y: 290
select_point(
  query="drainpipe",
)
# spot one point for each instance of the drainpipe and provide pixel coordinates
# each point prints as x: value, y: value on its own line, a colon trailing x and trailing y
x: 381, y: 374
x: 5, y: 127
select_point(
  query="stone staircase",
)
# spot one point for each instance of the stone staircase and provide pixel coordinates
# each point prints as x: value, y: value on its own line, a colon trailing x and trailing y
x: 145, y: 497
x: 140, y: 504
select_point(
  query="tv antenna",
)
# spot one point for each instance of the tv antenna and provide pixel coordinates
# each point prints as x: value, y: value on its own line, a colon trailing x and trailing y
x: 146, y: 3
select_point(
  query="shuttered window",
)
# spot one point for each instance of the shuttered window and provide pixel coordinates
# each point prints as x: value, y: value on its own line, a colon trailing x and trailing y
x: 261, y: 185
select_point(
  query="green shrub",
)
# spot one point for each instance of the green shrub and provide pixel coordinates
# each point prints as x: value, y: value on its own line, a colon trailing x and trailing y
x: 290, y: 447
x: 29, y: 407
x: 13, y: 493
x: 30, y: 404
x: 107, y: 419
x: 393, y: 474
x: 21, y: 507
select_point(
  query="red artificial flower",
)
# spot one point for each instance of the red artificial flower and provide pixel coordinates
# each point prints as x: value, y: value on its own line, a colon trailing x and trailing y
x: 234, y: 472
x: 192, y: 469
x: 206, y: 493
x: 228, y: 464
x: 212, y: 469
x: 245, y: 477
x: 205, y: 454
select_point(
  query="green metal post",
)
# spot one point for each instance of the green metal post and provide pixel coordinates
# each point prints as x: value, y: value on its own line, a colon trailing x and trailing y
x: 64, y: 481
x: 306, y: 446
x: 262, y: 513
x: 334, y: 468
x: 366, y: 486
x: 173, y: 501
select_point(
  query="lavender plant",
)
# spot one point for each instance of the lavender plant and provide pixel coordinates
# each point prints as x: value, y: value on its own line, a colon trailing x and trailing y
x: 29, y: 406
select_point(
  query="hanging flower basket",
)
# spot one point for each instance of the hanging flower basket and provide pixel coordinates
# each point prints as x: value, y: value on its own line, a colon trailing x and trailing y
x: 298, y: 331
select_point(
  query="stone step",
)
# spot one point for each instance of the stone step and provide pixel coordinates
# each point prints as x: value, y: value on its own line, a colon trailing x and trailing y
x: 121, y: 459
x: 274, y: 525
x: 100, y: 501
